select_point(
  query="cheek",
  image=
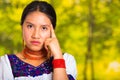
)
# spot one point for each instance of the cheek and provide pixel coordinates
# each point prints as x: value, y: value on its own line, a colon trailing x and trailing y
x: 45, y: 35
x: 26, y: 35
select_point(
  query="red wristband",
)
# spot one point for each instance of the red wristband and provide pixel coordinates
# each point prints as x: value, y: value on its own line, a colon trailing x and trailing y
x: 58, y: 63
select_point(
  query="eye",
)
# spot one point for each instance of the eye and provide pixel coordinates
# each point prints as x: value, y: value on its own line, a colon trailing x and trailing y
x: 44, y: 27
x: 29, y: 26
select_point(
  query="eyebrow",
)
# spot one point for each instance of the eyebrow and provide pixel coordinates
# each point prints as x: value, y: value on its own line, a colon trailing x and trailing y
x: 29, y: 23
x: 45, y: 25
x: 40, y: 25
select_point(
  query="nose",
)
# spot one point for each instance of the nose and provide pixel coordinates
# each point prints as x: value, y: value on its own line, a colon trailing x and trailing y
x: 36, y: 34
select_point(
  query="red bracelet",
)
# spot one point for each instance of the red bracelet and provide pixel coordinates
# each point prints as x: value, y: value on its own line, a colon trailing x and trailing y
x: 58, y: 63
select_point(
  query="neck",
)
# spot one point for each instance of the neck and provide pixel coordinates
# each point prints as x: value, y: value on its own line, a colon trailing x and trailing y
x: 32, y: 55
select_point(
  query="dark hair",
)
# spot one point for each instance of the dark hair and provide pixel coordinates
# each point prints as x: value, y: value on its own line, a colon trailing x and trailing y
x: 43, y: 7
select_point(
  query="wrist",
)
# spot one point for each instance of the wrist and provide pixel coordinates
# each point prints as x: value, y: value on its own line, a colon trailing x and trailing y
x: 58, y: 63
x: 58, y: 56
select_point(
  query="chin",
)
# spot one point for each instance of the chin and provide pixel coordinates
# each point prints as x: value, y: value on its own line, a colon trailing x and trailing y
x: 35, y: 48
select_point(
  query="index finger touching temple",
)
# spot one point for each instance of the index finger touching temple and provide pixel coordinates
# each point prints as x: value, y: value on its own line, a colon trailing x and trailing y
x: 52, y: 33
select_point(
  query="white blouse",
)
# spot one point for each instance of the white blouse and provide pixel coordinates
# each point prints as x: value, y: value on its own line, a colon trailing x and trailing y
x: 6, y: 70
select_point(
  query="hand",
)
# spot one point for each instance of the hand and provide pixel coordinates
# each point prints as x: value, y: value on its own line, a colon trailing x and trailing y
x: 52, y: 45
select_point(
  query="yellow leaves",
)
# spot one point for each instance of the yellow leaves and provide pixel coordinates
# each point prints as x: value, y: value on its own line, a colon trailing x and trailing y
x: 107, y: 69
x: 15, y: 15
x: 14, y: 2
x: 110, y: 43
x: 2, y: 50
x: 102, y: 8
x: 113, y: 69
x: 111, y: 51
x: 67, y: 3
x: 1, y: 14
x: 78, y: 8
x: 116, y: 32
x: 79, y: 70
x: 117, y: 2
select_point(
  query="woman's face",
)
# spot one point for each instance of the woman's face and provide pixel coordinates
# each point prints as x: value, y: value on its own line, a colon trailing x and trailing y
x: 36, y: 29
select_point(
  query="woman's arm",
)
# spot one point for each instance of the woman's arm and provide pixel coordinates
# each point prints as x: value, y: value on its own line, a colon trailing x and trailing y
x: 68, y: 67
x: 59, y: 68
x: 59, y: 74
x: 52, y: 46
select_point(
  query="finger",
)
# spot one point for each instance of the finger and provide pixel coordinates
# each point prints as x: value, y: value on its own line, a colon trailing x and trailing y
x: 52, y: 33
x: 47, y: 44
x: 46, y: 47
x: 48, y: 51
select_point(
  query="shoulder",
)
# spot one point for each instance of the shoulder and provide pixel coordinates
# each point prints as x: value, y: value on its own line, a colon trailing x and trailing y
x: 4, y: 61
x: 68, y: 56
x: 69, y: 61
x: 70, y: 64
x: 5, y: 68
x: 3, y: 57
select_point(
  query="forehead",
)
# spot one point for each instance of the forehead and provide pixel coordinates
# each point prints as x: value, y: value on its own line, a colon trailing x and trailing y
x: 37, y: 17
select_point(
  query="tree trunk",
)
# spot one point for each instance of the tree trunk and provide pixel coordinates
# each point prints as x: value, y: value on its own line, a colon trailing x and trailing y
x: 89, y: 55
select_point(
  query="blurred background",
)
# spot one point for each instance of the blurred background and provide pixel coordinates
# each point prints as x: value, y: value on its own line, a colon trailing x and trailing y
x: 87, y: 29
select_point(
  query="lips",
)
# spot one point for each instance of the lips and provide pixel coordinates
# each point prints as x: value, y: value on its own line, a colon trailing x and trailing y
x: 35, y: 42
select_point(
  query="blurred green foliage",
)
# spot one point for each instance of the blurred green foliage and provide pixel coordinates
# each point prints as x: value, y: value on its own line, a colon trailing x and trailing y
x: 73, y: 22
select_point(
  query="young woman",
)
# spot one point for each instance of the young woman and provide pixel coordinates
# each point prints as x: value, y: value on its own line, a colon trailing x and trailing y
x: 41, y: 58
